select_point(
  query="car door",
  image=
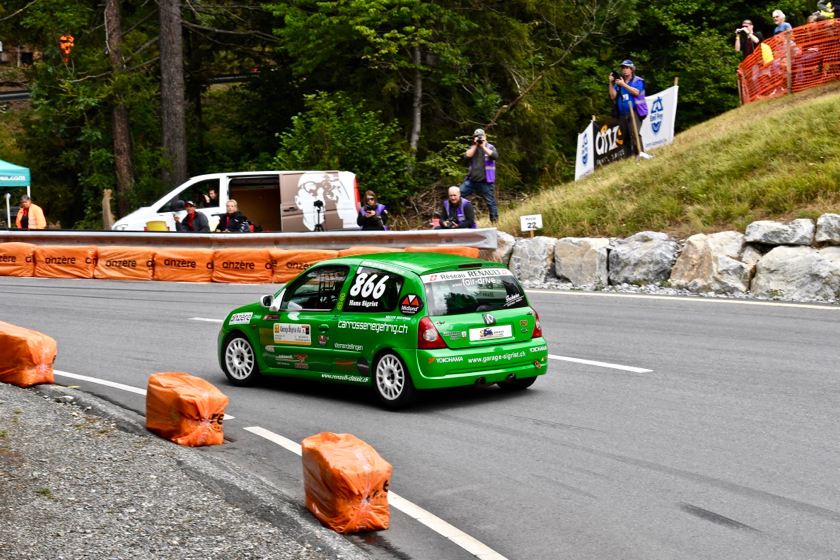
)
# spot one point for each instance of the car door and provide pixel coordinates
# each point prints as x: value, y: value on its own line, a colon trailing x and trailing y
x: 301, y: 335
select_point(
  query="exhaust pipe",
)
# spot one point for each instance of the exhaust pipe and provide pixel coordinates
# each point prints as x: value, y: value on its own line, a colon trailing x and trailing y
x: 481, y: 381
x: 510, y: 378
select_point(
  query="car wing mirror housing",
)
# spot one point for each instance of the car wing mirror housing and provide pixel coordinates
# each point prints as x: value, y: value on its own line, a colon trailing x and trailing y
x: 267, y: 301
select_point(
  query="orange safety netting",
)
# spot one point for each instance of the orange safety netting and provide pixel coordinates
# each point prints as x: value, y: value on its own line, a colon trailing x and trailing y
x: 185, y: 409
x: 125, y: 263
x: 796, y: 60
x: 242, y: 265
x: 471, y: 252
x: 26, y: 356
x: 346, y: 483
x: 65, y: 261
x: 17, y: 259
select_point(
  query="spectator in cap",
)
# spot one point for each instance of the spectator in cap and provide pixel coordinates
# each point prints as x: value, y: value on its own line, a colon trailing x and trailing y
x: 193, y: 221
x: 747, y: 39
x: 628, y: 92
x: 30, y: 215
x: 481, y: 178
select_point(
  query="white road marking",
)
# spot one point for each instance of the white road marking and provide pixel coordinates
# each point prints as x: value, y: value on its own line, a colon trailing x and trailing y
x: 207, y: 320
x: 600, y: 364
x: 698, y: 299
x: 113, y: 384
x: 414, y: 511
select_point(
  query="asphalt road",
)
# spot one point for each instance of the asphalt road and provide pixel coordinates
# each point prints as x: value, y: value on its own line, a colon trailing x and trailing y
x: 726, y: 447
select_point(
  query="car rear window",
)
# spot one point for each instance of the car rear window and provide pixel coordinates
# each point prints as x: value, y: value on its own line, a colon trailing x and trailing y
x: 471, y: 291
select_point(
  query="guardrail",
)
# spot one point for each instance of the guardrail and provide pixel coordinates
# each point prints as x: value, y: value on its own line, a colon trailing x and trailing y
x: 484, y: 238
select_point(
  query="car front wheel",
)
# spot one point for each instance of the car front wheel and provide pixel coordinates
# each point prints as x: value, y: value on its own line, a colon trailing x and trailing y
x: 392, y: 382
x: 240, y: 361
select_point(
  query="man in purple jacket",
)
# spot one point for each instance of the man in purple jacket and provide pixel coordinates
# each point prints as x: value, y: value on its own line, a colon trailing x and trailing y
x: 481, y: 178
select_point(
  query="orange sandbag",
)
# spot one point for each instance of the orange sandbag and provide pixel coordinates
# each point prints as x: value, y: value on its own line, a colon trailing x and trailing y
x: 242, y: 265
x: 17, y: 259
x: 185, y: 409
x: 65, y: 261
x: 26, y: 356
x: 471, y: 252
x: 184, y: 265
x: 346, y: 483
x: 362, y: 250
x: 125, y: 263
x: 288, y: 263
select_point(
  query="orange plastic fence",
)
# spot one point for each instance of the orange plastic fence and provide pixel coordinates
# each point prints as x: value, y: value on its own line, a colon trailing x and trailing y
x: 242, y: 265
x: 362, y: 250
x: 26, y: 356
x: 346, y: 483
x: 184, y: 265
x: 185, y: 409
x: 814, y: 60
x: 453, y: 250
x: 125, y: 263
x: 288, y: 263
x: 17, y: 259
x: 65, y: 261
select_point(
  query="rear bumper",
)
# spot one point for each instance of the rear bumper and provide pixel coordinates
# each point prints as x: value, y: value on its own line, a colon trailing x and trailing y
x: 435, y: 369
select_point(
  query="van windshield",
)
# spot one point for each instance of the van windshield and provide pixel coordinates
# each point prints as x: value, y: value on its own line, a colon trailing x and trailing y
x: 472, y: 291
x: 199, y: 193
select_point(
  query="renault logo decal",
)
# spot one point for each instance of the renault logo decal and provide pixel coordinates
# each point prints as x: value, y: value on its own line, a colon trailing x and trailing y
x: 489, y: 319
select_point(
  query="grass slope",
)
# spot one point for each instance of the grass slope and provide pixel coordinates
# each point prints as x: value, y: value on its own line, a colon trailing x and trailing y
x: 773, y: 159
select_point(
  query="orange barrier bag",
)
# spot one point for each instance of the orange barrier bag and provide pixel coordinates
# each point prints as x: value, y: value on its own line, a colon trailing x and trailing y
x: 17, y: 259
x: 346, y: 483
x: 288, y: 263
x: 362, y: 250
x: 125, y: 263
x: 471, y: 252
x: 184, y: 265
x: 65, y: 261
x: 242, y: 265
x: 26, y: 356
x: 185, y: 409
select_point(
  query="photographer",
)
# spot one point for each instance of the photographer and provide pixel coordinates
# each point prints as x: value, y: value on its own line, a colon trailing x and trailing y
x: 481, y: 178
x: 457, y: 212
x: 627, y: 90
x: 372, y: 215
x: 746, y: 40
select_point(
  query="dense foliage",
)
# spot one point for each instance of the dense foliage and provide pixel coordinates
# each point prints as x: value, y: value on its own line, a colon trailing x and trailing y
x: 390, y: 89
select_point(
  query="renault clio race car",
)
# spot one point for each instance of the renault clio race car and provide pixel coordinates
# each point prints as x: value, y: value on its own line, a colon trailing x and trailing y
x: 399, y: 322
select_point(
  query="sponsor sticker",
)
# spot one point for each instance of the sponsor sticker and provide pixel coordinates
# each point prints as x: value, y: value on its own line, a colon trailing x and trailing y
x: 374, y: 327
x: 489, y: 333
x: 411, y: 304
x: 293, y: 333
x: 454, y: 335
x: 447, y: 360
x: 353, y: 347
x: 322, y: 340
x: 240, y: 318
x: 271, y: 317
x: 344, y: 377
x: 523, y: 322
x: 465, y: 274
x: 539, y: 349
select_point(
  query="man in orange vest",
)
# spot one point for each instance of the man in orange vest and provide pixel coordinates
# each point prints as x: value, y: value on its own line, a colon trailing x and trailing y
x: 30, y: 216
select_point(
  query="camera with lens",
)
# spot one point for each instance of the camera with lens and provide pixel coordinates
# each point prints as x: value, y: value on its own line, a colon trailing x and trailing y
x: 479, y: 140
x: 616, y: 75
x: 318, y: 204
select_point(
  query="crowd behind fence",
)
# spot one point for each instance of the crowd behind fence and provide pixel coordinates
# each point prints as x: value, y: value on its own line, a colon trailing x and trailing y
x: 792, y: 61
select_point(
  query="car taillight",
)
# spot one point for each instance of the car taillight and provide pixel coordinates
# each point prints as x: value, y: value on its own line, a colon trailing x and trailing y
x: 427, y: 336
x: 537, y: 328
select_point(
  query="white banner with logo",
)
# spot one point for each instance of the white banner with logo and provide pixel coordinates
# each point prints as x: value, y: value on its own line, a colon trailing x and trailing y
x: 602, y: 141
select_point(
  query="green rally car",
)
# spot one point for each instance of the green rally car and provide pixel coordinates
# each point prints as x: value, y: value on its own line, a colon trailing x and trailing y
x: 397, y: 321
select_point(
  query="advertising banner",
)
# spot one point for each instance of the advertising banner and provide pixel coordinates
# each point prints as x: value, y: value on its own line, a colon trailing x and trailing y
x: 585, y: 161
x: 658, y: 129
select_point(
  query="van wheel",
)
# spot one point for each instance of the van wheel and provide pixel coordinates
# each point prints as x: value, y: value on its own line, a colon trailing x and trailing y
x: 517, y: 385
x: 392, y: 382
x: 240, y: 361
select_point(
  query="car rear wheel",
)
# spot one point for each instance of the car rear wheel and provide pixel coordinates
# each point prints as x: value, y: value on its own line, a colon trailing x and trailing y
x: 517, y: 384
x: 240, y: 361
x: 392, y: 382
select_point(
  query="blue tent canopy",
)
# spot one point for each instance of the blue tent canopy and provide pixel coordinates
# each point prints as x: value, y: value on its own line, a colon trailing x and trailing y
x: 12, y: 175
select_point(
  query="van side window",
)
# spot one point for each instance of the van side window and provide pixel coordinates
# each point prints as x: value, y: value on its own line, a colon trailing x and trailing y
x: 199, y: 193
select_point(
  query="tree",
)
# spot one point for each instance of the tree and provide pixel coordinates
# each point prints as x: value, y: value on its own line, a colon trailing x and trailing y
x: 172, y: 110
x: 119, y: 112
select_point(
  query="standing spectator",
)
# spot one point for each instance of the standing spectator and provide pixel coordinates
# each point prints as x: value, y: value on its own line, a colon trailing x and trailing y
x: 826, y: 8
x: 457, y: 213
x: 193, y: 221
x: 209, y: 200
x: 746, y: 39
x: 233, y: 221
x: 628, y: 91
x: 30, y: 215
x: 481, y: 178
x: 372, y: 215
x: 781, y: 24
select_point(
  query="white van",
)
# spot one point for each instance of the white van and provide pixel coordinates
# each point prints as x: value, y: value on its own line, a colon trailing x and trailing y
x: 276, y: 201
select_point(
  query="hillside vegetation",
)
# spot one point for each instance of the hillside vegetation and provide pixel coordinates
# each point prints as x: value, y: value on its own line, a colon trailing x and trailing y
x: 772, y: 159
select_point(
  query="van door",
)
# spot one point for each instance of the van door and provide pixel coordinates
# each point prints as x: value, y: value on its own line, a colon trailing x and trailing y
x: 317, y: 201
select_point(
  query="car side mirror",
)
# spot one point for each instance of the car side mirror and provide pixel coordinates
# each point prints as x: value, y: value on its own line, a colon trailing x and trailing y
x: 267, y: 301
